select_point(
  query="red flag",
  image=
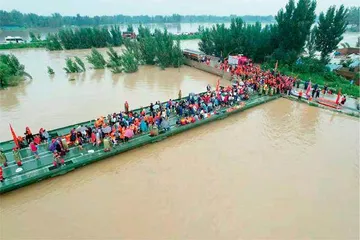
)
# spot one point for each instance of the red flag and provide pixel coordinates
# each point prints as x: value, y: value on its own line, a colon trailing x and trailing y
x: 338, y: 97
x: 308, y: 89
x: 14, y: 136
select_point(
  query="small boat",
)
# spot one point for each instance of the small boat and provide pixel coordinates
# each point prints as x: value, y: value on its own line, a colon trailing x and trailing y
x: 328, y: 103
x: 296, y: 94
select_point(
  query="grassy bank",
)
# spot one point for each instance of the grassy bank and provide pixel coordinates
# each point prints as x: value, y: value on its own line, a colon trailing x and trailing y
x: 332, y: 80
x: 23, y: 45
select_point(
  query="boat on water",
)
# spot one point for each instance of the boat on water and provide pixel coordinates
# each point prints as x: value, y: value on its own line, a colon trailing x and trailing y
x: 34, y: 170
x: 328, y: 103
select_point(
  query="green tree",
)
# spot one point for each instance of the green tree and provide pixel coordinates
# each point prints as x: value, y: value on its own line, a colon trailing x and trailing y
x: 206, y: 44
x: 147, y: 45
x: 311, y: 43
x: 294, y: 24
x: 96, y: 59
x: 52, y: 42
x: 330, y: 30
x: 12, y: 72
x: 114, y: 62
x: 86, y: 37
x: 130, y: 28
x: 116, y: 37
x: 354, y: 17
x: 33, y: 37
x: 164, y: 45
x: 129, y: 62
x: 177, y: 55
x: 253, y: 40
x: 133, y: 47
x: 80, y: 63
x: 50, y: 71
x: 31, y: 20
x: 71, y: 66
x: 4, y: 75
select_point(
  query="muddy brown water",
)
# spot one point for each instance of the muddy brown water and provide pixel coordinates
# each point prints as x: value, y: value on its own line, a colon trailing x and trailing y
x: 282, y: 170
x: 56, y: 101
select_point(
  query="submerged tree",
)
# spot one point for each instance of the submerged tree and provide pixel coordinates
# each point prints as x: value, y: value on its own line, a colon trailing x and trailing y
x: 72, y: 66
x: 33, y: 37
x: 12, y: 72
x: 147, y: 45
x: 81, y: 38
x: 330, y: 30
x: 50, y: 71
x: 114, y: 62
x: 129, y: 62
x: 134, y: 48
x: 164, y: 43
x: 116, y: 37
x: 253, y: 40
x: 52, y: 42
x: 80, y: 63
x: 96, y: 59
x: 177, y: 55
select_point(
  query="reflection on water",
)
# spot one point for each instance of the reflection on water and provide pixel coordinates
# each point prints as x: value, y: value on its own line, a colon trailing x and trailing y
x: 55, y: 101
x: 260, y: 174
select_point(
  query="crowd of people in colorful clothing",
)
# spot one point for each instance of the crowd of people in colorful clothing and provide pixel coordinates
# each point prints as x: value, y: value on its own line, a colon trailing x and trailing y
x: 117, y: 128
x: 121, y: 127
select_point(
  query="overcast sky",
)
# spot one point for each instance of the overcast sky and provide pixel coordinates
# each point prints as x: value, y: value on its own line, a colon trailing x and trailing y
x: 160, y: 7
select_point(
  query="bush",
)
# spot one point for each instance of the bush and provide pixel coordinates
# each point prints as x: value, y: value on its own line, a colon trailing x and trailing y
x: 314, y: 70
x: 309, y: 65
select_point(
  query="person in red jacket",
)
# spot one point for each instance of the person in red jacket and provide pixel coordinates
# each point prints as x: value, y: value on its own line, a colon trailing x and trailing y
x: 1, y: 175
x: 300, y: 95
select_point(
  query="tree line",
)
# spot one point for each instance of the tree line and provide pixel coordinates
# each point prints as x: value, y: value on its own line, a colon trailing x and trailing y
x: 81, y: 38
x: 159, y: 48
x: 294, y: 32
x: 292, y: 42
x: 17, y: 19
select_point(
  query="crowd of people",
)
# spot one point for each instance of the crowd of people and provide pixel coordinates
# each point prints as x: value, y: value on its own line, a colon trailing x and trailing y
x: 117, y: 128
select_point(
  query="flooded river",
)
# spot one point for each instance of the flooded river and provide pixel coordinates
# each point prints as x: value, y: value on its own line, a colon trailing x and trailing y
x: 53, y: 102
x: 282, y: 170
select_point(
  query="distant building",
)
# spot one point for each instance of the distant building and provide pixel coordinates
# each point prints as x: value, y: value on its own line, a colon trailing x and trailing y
x: 350, y: 72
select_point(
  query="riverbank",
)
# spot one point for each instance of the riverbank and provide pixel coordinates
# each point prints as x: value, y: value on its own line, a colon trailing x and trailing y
x: 349, y: 108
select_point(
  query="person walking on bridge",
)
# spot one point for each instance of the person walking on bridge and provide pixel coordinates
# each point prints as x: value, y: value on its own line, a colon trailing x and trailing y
x: 3, y: 159
x: 126, y: 106
x: 17, y: 156
x: 34, y: 149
